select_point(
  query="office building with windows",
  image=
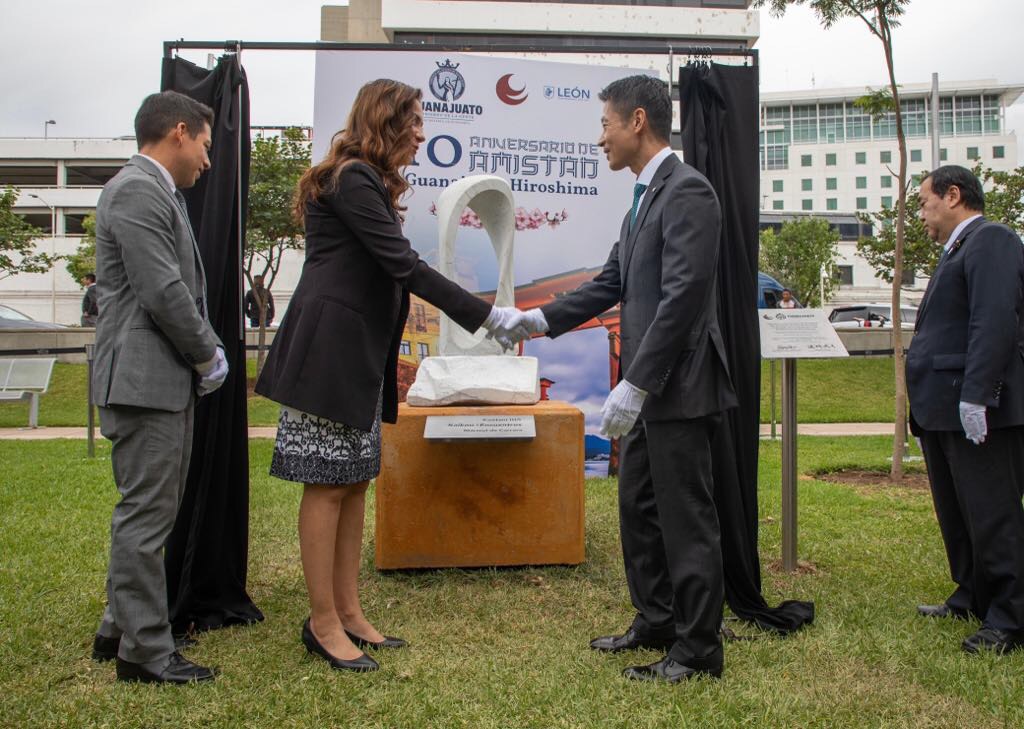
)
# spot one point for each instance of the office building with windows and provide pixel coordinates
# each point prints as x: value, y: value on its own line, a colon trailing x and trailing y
x: 823, y: 155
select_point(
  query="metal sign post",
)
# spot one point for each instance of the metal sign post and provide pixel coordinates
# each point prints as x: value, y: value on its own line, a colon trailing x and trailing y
x: 789, y: 434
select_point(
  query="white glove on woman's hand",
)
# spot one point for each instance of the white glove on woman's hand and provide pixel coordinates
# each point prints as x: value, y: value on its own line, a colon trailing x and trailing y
x: 621, y: 409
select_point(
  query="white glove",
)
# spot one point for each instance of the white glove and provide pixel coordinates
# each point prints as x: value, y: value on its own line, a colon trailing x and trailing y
x: 535, y: 322
x: 621, y: 409
x: 972, y: 417
x: 212, y: 374
x: 505, y: 326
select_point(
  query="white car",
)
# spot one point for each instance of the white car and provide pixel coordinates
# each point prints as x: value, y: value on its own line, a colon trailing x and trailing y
x: 874, y: 316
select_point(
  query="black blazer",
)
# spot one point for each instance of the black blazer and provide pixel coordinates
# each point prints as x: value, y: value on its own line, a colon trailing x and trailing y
x: 663, y: 275
x: 969, y: 342
x: 337, y: 346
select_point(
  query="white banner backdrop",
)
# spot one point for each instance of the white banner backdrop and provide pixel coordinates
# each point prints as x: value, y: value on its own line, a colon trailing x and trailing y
x: 534, y: 123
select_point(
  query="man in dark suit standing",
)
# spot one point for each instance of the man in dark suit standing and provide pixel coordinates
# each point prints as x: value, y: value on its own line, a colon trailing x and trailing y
x: 675, y: 383
x: 965, y: 380
x: 155, y: 352
x: 89, y: 309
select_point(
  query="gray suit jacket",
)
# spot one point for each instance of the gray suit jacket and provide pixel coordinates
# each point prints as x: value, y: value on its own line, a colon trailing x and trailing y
x: 152, y: 325
x: 663, y: 274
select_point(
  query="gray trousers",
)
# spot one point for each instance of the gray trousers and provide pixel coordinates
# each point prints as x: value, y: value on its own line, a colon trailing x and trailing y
x: 150, y: 454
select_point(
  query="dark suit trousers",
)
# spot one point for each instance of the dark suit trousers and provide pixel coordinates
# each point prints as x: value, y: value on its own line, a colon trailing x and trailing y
x: 150, y: 454
x: 977, y: 492
x: 670, y: 536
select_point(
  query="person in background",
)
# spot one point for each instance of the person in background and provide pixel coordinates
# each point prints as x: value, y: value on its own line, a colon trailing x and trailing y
x: 89, y: 309
x: 333, y: 364
x: 252, y: 302
x: 787, y: 301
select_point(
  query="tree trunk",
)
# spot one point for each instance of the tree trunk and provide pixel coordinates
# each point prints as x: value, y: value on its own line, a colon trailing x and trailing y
x: 261, y: 354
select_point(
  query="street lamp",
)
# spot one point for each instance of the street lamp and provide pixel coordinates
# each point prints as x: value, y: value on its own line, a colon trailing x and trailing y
x: 46, y: 128
x: 53, y: 252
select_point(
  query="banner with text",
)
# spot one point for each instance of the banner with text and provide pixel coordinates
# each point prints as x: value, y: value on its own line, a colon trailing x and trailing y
x: 536, y: 124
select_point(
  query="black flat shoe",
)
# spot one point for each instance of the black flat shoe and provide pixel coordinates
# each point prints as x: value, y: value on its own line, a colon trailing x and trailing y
x: 669, y: 670
x: 992, y: 639
x: 942, y: 611
x: 105, y: 649
x: 388, y: 642
x: 179, y: 671
x: 361, y: 664
x: 629, y: 641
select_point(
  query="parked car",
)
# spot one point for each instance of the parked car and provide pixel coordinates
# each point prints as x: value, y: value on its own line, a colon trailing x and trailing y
x: 769, y: 292
x: 14, y: 319
x: 862, y: 316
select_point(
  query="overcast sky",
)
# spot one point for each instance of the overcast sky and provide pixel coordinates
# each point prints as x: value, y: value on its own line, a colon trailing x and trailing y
x: 88, y: 64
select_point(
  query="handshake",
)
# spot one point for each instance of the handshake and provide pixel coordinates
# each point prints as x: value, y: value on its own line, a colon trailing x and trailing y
x: 508, y: 326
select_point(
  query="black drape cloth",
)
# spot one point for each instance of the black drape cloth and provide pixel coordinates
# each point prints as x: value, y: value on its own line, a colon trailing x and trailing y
x: 719, y: 112
x: 208, y: 550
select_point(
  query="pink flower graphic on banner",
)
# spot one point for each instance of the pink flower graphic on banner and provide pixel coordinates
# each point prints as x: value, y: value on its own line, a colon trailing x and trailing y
x: 525, y: 219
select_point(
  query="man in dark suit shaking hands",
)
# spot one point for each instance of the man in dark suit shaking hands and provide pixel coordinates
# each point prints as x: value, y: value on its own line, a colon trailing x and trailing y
x: 675, y: 383
x: 155, y: 353
x: 965, y: 380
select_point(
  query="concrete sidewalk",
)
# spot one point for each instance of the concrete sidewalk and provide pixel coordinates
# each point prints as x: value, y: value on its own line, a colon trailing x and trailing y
x: 829, y: 429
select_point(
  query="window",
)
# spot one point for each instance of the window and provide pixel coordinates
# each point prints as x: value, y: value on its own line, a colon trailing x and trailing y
x: 777, y: 205
x: 776, y: 185
x: 907, y: 280
x: 831, y: 204
x: 806, y: 160
x: 830, y: 123
x: 887, y: 201
x: 831, y: 183
x: 830, y: 159
x: 990, y: 114
x: 915, y: 117
x: 862, y: 183
x: 845, y: 275
x: 915, y: 155
x: 915, y: 180
x: 862, y: 203
x: 946, y: 116
x: 968, y: 115
x: 858, y: 124
x: 28, y: 176
x: 405, y: 347
x: 424, y: 350
x: 43, y: 221
x: 972, y: 153
x: 805, y: 123
x: 862, y: 158
x: 885, y: 157
x: 886, y: 181
x: 942, y: 154
x: 999, y: 152
x: 73, y: 223
x: 807, y: 184
x: 885, y: 126
x: 807, y: 204
x: 90, y: 175
x: 776, y: 150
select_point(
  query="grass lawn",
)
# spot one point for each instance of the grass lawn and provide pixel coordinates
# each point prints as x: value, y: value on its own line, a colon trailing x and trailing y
x: 855, y: 390
x: 503, y: 648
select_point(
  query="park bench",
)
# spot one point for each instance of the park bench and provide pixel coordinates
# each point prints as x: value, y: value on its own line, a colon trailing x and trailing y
x: 26, y: 377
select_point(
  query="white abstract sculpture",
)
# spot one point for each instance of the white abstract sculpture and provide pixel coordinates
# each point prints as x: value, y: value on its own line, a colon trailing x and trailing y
x: 471, y: 368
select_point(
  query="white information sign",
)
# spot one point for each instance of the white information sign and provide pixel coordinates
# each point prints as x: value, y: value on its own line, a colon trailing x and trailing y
x: 479, y: 427
x: 798, y: 334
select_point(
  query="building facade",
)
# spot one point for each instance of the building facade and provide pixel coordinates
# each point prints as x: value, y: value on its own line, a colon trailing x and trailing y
x: 822, y: 155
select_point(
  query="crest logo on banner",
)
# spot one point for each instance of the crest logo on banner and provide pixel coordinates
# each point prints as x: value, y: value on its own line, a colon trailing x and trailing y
x: 446, y: 83
x: 505, y: 92
x: 549, y: 91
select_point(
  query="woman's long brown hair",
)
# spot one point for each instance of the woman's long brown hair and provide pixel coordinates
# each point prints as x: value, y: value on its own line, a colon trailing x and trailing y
x: 378, y: 132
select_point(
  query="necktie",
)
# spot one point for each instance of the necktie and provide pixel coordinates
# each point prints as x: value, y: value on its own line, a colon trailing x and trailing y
x: 638, y: 192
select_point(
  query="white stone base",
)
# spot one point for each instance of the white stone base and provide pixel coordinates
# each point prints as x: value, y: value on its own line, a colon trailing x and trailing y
x: 480, y: 380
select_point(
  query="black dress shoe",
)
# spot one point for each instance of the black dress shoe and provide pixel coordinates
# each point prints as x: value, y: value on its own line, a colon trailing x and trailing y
x: 361, y: 664
x: 179, y: 670
x: 388, y: 642
x: 993, y: 639
x: 668, y: 669
x: 105, y: 649
x: 942, y: 611
x: 629, y: 641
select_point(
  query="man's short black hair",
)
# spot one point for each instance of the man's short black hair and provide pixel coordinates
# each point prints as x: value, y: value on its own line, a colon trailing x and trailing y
x: 90, y: 277
x: 786, y: 291
x: 642, y: 92
x: 160, y: 113
x: 947, y: 176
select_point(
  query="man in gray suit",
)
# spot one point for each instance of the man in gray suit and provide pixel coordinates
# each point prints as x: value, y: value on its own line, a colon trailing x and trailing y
x: 675, y: 383
x: 155, y: 352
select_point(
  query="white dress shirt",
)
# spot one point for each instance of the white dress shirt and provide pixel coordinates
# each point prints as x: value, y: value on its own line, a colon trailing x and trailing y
x: 647, y: 173
x: 163, y: 171
x: 957, y: 231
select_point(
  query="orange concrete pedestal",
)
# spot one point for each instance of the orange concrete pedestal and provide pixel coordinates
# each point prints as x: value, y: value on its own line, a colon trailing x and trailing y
x: 481, y: 503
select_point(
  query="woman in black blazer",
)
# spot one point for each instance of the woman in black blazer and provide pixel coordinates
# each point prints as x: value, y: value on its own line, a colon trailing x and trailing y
x: 333, y: 364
